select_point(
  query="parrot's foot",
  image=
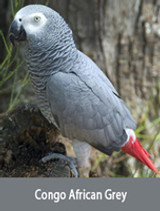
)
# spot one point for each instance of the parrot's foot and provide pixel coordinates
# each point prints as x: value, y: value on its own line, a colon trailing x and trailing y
x: 71, y: 162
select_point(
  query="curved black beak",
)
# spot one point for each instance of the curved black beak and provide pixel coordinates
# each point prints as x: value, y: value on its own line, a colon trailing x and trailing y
x: 16, y: 32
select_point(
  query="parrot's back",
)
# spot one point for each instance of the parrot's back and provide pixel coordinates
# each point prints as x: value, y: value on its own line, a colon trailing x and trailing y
x: 86, y: 106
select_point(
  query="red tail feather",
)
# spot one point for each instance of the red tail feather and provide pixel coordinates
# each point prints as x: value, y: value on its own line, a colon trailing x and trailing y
x: 134, y: 148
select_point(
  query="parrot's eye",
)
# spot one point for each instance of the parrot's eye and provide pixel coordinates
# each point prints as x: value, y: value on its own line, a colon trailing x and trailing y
x: 37, y: 18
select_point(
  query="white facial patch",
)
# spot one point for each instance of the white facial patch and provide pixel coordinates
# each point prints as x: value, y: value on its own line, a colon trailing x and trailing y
x: 32, y: 23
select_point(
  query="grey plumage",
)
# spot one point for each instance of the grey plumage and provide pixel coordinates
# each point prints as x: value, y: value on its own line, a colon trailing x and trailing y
x: 72, y: 91
x: 86, y: 107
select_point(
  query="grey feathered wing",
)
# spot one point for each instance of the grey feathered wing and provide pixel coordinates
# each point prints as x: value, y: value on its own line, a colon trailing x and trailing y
x: 86, y: 106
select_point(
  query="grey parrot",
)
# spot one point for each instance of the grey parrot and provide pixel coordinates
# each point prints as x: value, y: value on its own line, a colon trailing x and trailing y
x: 72, y: 92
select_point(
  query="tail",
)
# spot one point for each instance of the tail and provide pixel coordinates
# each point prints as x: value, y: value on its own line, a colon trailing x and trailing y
x: 135, y: 149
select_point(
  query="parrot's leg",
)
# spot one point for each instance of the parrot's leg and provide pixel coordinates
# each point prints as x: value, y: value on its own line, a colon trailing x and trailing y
x: 69, y: 160
x: 82, y: 151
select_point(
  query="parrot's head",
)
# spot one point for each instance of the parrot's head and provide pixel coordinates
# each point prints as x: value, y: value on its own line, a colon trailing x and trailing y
x: 38, y: 24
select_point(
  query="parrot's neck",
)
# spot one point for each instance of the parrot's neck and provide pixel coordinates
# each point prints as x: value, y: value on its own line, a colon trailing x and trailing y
x: 44, y: 62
